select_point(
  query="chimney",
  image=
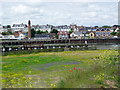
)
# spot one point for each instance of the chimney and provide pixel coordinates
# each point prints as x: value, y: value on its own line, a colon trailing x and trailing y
x: 29, y: 29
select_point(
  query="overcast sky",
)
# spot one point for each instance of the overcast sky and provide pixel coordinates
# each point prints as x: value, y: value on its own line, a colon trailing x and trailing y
x: 58, y: 13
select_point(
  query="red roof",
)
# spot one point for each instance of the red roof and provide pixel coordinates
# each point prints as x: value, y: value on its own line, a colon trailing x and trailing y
x: 17, y: 33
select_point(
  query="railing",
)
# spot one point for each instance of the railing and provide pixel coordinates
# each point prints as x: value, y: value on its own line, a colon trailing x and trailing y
x: 57, y: 41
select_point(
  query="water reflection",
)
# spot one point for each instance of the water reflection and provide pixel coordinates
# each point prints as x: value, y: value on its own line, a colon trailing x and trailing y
x: 106, y: 46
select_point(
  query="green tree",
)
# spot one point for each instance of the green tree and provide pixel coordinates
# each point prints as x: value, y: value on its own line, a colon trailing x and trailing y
x: 8, y: 26
x: 54, y: 31
x: 71, y: 31
x: 10, y: 33
x: 41, y: 32
x: 38, y: 32
x: 96, y: 26
x: 105, y: 26
x: 114, y: 33
x: 118, y: 34
x: 116, y: 25
x: 33, y: 33
x: 5, y: 33
x: 46, y: 31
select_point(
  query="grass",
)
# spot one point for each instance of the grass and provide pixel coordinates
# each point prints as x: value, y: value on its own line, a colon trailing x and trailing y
x: 69, y: 69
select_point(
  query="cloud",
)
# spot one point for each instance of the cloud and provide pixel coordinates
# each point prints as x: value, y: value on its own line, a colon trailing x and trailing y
x: 93, y: 7
x: 20, y: 9
x: 86, y: 13
x: 1, y: 13
x: 34, y: 1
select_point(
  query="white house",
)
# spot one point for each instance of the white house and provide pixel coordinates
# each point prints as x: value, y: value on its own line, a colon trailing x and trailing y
x: 7, y: 37
x: 21, y: 36
x: 116, y: 30
x: 42, y: 27
x: 19, y: 27
x: 101, y: 33
x: 62, y: 28
x: 63, y: 34
x: 3, y: 29
x: 79, y: 34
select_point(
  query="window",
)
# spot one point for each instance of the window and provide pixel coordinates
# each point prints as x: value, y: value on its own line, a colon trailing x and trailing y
x: 96, y: 34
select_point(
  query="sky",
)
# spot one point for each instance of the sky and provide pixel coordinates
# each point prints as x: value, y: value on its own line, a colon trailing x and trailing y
x: 94, y: 13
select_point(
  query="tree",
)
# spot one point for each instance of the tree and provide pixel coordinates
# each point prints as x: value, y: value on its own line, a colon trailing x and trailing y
x: 38, y: 32
x: 5, y: 33
x: 8, y: 26
x: 105, y: 26
x: 46, y: 31
x: 114, y: 33
x: 54, y: 31
x: 116, y: 25
x: 118, y: 34
x: 41, y: 32
x: 71, y: 31
x: 96, y: 26
x: 33, y: 32
x: 10, y: 33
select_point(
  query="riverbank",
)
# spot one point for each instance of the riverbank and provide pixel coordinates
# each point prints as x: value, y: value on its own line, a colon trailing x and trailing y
x: 68, y: 69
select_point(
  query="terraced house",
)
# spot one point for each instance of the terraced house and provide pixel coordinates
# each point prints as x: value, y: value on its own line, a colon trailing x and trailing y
x: 81, y: 32
x: 62, y: 28
x: 101, y: 33
x: 63, y: 35
x: 3, y: 28
x: 42, y: 27
x: 19, y: 27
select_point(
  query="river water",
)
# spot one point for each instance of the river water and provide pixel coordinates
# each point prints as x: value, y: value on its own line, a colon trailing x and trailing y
x: 105, y: 46
x: 97, y: 45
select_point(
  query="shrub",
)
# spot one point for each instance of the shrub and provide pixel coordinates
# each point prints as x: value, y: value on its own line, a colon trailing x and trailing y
x: 24, y: 61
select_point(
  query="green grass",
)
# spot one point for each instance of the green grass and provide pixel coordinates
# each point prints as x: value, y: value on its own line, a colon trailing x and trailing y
x: 52, y: 69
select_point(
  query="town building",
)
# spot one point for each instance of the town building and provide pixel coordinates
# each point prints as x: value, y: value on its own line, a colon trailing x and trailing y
x: 83, y: 34
x: 62, y: 28
x: 45, y: 36
x: 63, y: 35
x: 19, y: 27
x: 42, y: 27
x: 73, y: 26
x: 3, y: 28
x: 19, y: 35
x: 101, y: 33
x: 7, y: 37
x: 16, y: 36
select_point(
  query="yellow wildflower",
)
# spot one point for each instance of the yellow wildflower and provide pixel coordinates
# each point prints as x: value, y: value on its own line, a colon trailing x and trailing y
x: 51, y: 84
x: 30, y: 85
x: 29, y: 78
x: 23, y: 77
